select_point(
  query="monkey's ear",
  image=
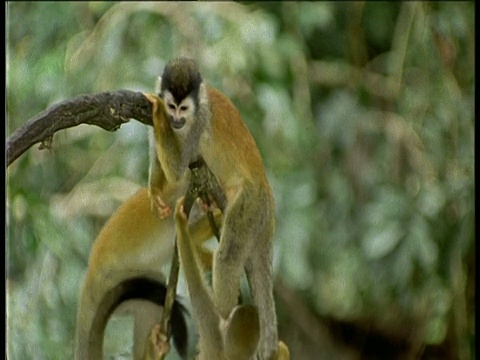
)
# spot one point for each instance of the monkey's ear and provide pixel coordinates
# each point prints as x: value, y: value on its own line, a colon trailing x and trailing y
x: 158, y: 85
x: 203, y: 93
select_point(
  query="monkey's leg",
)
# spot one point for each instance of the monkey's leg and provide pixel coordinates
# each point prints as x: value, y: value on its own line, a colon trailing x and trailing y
x: 206, y: 317
x: 260, y: 277
x: 236, y: 242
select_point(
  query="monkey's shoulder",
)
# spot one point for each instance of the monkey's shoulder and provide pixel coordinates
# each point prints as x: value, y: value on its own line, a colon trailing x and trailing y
x: 232, y: 146
x: 221, y: 106
x: 228, y: 124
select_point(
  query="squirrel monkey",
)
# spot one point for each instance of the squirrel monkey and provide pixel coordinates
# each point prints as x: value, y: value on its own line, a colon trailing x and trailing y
x: 234, y: 339
x: 125, y: 263
x: 192, y: 120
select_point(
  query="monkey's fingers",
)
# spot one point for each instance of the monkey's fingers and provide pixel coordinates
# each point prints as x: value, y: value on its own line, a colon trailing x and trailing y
x: 164, y: 210
x: 180, y: 214
x: 153, y: 99
x: 157, y: 346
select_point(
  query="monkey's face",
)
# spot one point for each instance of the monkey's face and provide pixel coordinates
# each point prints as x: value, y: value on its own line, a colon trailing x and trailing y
x: 178, y: 113
x: 179, y: 88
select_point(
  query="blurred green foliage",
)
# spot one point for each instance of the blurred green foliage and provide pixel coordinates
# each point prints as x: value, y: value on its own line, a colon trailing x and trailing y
x: 364, y: 115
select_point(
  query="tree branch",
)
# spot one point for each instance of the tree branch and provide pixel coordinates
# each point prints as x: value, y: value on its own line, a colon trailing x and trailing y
x: 108, y: 110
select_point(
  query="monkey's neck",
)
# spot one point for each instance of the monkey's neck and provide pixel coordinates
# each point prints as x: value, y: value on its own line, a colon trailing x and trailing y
x: 188, y: 144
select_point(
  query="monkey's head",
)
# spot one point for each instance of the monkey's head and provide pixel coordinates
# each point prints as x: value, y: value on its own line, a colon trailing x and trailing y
x: 180, y: 87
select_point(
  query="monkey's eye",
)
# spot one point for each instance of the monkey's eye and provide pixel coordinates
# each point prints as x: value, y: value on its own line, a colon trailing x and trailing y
x: 184, y: 107
x: 171, y: 106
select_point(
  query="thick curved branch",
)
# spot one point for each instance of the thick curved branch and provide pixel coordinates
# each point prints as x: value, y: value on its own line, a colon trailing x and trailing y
x: 108, y: 110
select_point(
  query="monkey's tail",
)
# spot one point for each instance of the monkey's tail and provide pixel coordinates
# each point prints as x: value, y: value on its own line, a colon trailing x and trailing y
x: 144, y: 288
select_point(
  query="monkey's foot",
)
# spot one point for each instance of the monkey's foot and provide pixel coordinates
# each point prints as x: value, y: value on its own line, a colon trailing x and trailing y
x: 157, y: 346
x: 180, y: 215
x: 205, y: 206
x: 163, y: 210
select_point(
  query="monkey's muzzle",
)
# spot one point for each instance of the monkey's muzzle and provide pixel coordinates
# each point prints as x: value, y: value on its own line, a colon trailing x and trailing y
x: 177, y: 123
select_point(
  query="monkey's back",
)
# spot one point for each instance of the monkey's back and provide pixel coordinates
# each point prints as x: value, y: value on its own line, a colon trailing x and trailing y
x: 136, y: 230
x: 234, y: 151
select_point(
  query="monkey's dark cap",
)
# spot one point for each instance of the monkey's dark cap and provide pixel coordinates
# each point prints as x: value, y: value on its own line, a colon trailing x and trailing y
x: 182, y: 78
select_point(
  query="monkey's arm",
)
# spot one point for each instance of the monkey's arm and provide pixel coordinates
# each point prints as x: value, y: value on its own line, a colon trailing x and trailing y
x: 172, y: 161
x: 157, y: 182
x: 166, y: 172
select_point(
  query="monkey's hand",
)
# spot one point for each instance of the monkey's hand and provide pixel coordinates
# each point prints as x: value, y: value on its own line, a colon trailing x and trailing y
x: 158, y: 109
x: 157, y: 346
x: 163, y: 209
x: 153, y: 99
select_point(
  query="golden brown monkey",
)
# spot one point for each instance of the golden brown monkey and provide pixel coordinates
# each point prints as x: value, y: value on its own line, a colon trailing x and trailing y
x: 192, y: 120
x: 125, y: 263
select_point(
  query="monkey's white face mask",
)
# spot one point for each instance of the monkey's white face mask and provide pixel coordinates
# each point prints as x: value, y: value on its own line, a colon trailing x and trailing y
x: 178, y: 114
